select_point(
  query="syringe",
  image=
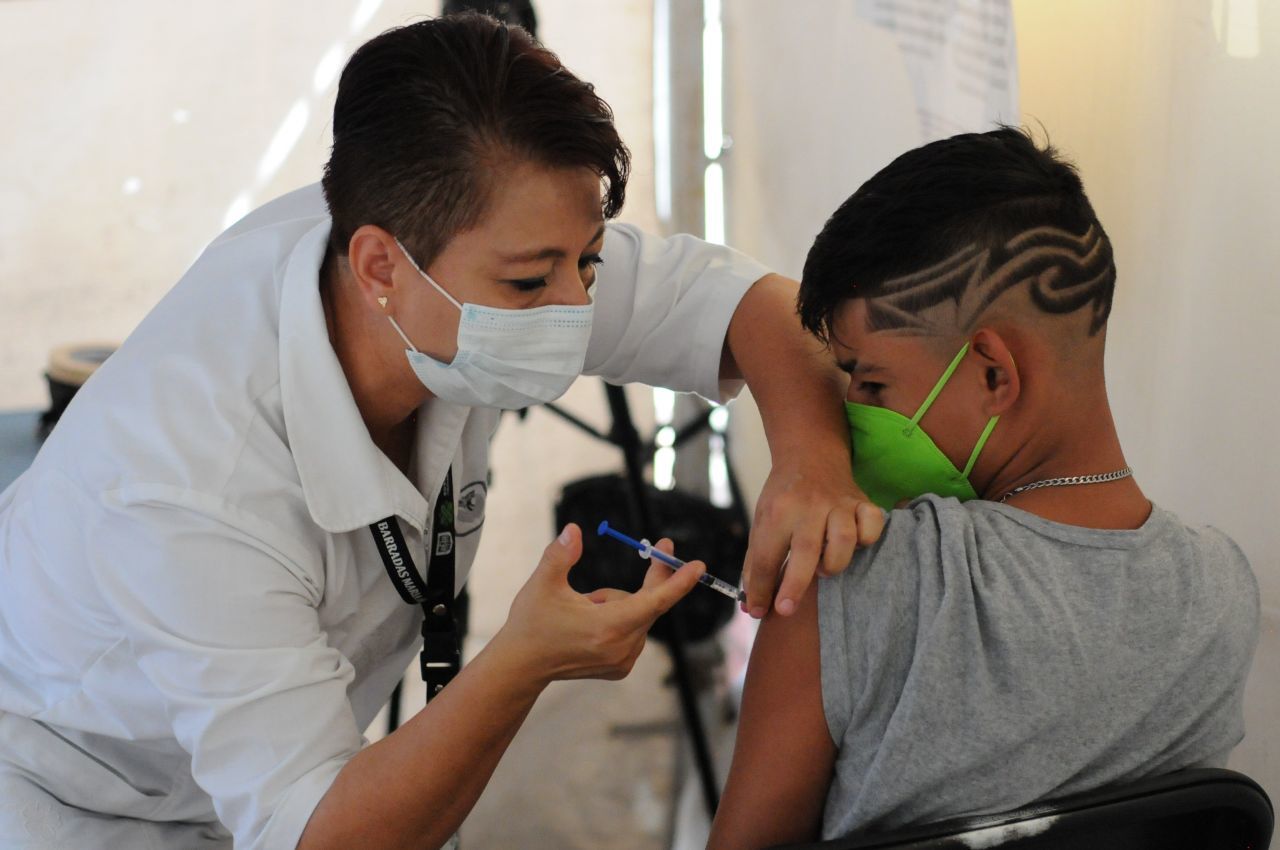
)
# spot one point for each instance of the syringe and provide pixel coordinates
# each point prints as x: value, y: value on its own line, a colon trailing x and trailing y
x: 647, y: 550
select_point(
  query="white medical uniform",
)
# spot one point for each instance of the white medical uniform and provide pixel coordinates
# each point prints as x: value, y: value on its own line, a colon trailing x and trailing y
x: 195, y: 624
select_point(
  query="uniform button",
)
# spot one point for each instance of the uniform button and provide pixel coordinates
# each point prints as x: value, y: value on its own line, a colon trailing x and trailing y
x: 440, y: 610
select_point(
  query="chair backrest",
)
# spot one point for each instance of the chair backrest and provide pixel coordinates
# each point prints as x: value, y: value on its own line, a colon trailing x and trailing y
x: 1199, y: 809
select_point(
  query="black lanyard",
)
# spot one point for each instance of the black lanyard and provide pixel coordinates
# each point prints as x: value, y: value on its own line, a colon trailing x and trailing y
x: 441, y: 652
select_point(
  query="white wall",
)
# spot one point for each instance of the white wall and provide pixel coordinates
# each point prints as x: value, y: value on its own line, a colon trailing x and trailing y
x: 131, y: 130
x: 134, y: 129
x: 1177, y: 141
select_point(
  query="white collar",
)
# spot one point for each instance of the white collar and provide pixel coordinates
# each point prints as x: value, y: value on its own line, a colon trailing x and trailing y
x: 346, y: 480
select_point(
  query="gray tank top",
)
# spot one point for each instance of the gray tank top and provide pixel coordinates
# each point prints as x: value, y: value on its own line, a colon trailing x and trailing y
x: 980, y: 658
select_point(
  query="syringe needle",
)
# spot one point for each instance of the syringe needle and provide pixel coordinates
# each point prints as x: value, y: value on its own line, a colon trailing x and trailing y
x: 646, y: 550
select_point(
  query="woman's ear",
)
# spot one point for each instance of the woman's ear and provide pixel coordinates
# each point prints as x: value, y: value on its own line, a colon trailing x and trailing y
x: 372, y: 254
x: 1001, y: 382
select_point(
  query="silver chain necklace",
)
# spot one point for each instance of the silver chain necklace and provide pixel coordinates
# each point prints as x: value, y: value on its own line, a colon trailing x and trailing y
x: 1066, y: 482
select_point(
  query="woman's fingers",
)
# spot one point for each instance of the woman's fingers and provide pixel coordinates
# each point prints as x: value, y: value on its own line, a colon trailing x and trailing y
x: 597, y: 640
x: 561, y: 554
x: 658, y: 571
x: 662, y: 589
x: 842, y: 537
x: 870, y: 523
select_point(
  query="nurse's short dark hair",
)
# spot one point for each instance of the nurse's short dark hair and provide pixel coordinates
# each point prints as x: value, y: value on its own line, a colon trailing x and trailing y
x: 933, y: 239
x: 427, y: 116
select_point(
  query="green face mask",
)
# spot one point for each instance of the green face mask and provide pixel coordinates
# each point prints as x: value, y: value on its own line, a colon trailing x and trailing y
x: 894, y: 459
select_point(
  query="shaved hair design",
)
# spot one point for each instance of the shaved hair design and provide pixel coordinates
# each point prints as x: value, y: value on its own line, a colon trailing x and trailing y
x: 935, y: 238
x: 1064, y: 272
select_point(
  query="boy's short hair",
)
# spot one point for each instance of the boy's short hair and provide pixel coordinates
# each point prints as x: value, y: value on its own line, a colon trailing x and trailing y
x: 956, y: 224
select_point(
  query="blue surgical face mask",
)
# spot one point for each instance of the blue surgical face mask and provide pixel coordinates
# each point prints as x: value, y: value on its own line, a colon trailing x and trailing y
x: 506, y: 358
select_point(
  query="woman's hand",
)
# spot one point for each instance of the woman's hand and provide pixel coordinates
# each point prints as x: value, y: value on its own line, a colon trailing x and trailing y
x: 415, y: 786
x: 810, y: 515
x: 558, y: 633
x: 811, y: 509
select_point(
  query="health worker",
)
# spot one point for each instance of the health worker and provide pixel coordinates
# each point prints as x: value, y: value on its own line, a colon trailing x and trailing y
x: 262, y: 506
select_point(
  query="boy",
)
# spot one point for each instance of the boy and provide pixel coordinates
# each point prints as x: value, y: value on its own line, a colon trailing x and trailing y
x: 1029, y: 625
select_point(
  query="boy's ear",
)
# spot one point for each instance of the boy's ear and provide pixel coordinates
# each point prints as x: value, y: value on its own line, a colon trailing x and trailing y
x: 1000, y: 373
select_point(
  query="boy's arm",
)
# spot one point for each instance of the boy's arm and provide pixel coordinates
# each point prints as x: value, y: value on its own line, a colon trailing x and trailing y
x: 784, y: 755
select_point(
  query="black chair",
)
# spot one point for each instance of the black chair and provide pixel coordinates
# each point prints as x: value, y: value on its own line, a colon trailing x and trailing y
x: 1198, y: 809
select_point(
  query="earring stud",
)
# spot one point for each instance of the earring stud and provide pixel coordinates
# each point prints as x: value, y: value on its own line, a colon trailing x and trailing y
x: 382, y: 302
